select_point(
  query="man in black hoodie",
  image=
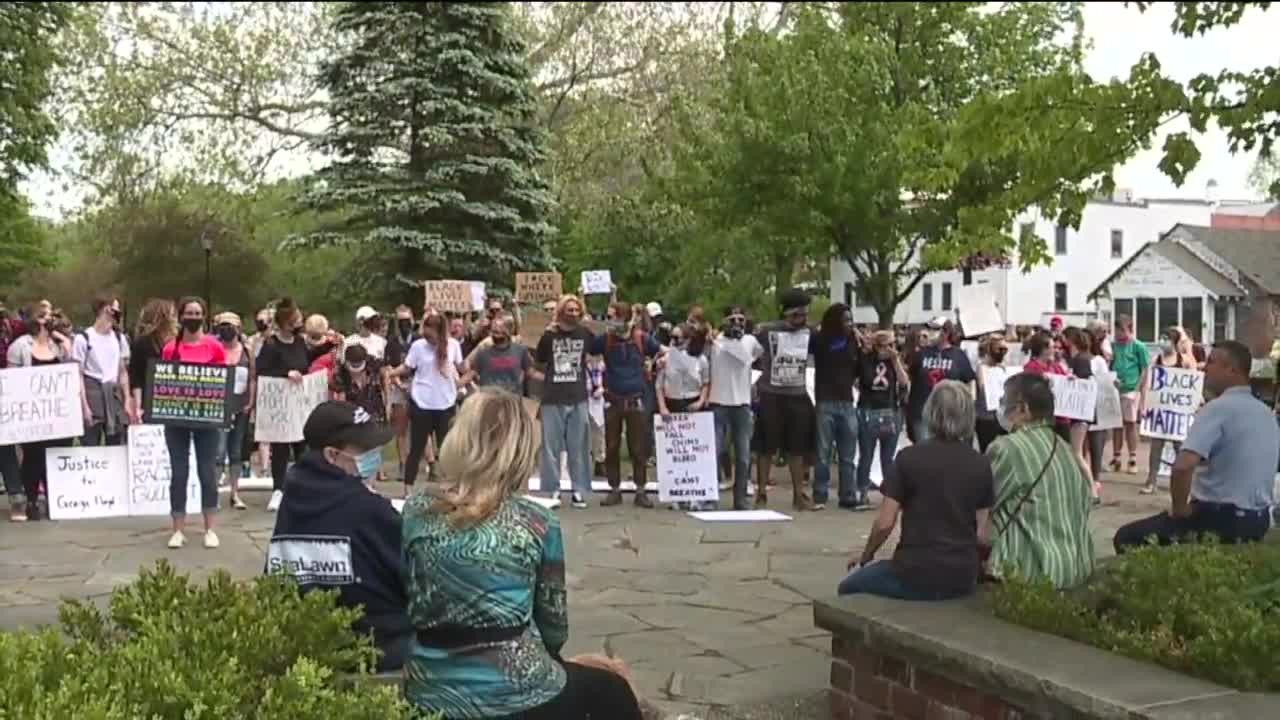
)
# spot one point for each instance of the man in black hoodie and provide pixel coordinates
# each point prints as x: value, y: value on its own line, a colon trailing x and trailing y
x: 334, y: 533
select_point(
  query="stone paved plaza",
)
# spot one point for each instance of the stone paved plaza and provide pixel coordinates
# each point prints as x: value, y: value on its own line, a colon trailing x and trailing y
x: 715, y: 618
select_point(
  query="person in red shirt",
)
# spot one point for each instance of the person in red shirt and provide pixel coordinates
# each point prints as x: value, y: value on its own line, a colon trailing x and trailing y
x: 1043, y: 351
x: 193, y: 346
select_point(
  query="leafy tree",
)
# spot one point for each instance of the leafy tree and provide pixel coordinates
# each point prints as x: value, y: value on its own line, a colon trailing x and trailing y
x: 23, y: 243
x: 908, y: 136
x: 1265, y: 176
x: 435, y: 144
x: 26, y: 34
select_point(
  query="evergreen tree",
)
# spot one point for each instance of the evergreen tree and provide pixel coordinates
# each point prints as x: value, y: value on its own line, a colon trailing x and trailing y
x: 434, y: 144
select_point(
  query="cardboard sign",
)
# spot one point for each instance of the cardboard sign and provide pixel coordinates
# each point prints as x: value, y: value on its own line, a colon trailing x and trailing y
x: 1074, y: 398
x: 283, y: 406
x: 976, y: 307
x: 597, y: 282
x: 449, y: 295
x: 192, y: 395
x: 1170, y: 401
x: 40, y: 403
x: 87, y: 482
x: 536, y: 288
x: 687, y: 458
x: 149, y: 473
x: 1110, y: 414
x: 993, y: 380
x: 532, y: 326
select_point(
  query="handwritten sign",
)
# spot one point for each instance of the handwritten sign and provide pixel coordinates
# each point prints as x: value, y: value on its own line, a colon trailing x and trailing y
x: 449, y: 295
x: 1170, y: 401
x: 150, y: 473
x: 192, y: 395
x: 687, y: 458
x: 976, y: 306
x: 477, y: 295
x: 1074, y: 398
x: 597, y: 282
x: 993, y: 380
x: 538, y: 287
x: 40, y: 403
x: 1110, y: 414
x: 87, y: 482
x: 283, y: 407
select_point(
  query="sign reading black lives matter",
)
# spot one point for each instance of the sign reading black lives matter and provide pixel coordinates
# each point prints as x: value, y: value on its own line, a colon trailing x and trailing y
x: 687, y: 457
x: 192, y: 395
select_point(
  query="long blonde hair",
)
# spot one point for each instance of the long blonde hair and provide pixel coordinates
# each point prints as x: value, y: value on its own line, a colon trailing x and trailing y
x: 488, y: 456
x: 158, y: 321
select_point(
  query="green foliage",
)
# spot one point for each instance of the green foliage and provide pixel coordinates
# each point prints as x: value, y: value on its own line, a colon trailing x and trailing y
x: 168, y: 649
x: 24, y: 246
x: 1204, y: 609
x: 26, y: 34
x: 435, y: 145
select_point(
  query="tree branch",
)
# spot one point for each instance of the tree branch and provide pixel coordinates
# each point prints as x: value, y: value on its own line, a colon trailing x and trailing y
x: 911, y: 286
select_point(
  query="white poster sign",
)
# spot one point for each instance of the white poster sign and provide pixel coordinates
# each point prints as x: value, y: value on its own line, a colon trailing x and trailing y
x: 1170, y: 401
x: 1168, y: 455
x: 1074, y: 398
x: 149, y: 473
x: 597, y: 282
x: 687, y: 458
x: 477, y: 295
x: 1110, y: 415
x: 976, y: 306
x: 283, y: 406
x: 40, y: 403
x: 87, y: 482
x: 993, y: 380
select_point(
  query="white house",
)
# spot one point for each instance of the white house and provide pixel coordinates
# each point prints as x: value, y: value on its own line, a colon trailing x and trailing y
x: 1111, y: 231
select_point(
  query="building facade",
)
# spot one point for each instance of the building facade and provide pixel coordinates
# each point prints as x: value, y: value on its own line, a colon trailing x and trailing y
x: 1111, y: 231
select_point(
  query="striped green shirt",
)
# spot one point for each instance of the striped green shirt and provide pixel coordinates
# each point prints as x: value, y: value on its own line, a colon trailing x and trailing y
x: 1049, y: 536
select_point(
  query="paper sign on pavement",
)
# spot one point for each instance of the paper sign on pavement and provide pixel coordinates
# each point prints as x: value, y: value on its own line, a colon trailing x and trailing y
x: 87, y: 482
x: 687, y: 457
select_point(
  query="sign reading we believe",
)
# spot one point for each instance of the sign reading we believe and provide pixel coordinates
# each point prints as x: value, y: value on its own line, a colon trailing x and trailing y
x: 40, y: 403
x: 191, y: 395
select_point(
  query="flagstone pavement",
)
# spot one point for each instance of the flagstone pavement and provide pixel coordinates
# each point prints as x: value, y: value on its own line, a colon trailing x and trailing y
x: 714, y: 618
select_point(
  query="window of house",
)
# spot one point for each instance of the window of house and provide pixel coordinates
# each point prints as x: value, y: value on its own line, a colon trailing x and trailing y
x: 1220, y: 328
x: 1060, y: 297
x: 926, y: 296
x: 1060, y: 240
x: 1117, y: 243
x: 850, y: 296
x: 1168, y: 313
x: 946, y: 296
x: 1124, y: 307
x: 1144, y: 319
x: 1193, y: 317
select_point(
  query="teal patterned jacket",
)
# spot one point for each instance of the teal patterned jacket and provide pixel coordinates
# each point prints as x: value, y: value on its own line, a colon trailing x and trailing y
x: 502, y: 578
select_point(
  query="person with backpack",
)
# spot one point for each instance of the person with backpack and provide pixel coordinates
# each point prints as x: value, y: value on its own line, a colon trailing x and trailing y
x: 103, y: 354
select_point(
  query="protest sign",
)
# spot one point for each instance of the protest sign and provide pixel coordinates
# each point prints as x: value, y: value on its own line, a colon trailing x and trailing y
x: 283, y: 406
x: 976, y: 306
x: 597, y: 282
x: 40, y: 403
x: 87, y: 482
x: 1168, y: 456
x: 993, y: 380
x: 537, y: 288
x: 149, y: 473
x: 1074, y: 398
x: 449, y: 295
x: 192, y: 395
x: 1170, y: 400
x: 1110, y: 415
x: 687, y: 457
x: 532, y: 326
x: 477, y: 295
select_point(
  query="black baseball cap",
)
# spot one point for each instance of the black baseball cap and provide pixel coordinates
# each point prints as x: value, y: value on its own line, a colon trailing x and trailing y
x: 342, y: 424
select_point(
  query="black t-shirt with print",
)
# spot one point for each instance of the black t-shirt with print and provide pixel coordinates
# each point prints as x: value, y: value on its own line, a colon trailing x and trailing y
x: 932, y: 366
x: 564, y: 355
x: 877, y: 383
x: 835, y: 367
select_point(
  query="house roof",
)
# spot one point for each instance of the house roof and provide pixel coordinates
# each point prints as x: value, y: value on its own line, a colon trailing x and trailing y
x: 1247, y: 209
x: 1253, y: 253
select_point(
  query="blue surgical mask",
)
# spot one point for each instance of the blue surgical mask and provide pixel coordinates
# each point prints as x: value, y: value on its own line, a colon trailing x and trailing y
x: 368, y: 463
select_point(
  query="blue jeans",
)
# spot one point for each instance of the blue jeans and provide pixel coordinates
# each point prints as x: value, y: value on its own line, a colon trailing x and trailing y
x: 736, y: 422
x: 565, y: 428
x: 231, y: 442
x: 873, y: 431
x: 878, y: 578
x: 838, y: 426
x: 179, y: 441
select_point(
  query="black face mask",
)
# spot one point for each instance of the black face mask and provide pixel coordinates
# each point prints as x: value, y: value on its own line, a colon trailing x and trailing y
x: 261, y: 325
x: 115, y: 315
x: 192, y: 325
x: 998, y: 355
x: 405, y: 326
x: 227, y: 333
x: 297, y: 329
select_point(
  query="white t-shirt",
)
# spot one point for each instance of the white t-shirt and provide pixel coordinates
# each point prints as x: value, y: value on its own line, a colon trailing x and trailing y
x: 100, y: 355
x: 731, y: 370
x: 375, y: 344
x: 432, y: 389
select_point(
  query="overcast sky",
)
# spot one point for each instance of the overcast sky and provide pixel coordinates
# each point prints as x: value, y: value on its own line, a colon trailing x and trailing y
x: 1119, y: 34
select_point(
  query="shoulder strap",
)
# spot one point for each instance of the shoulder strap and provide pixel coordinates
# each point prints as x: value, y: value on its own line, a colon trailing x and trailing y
x: 1031, y: 490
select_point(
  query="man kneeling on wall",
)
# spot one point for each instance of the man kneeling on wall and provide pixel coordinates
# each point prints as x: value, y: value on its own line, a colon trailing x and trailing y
x: 335, y: 533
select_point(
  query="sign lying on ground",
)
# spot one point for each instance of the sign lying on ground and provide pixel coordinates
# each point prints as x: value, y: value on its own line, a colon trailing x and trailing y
x: 686, y: 450
x: 534, y: 288
x: 40, y: 403
x: 192, y: 395
x: 283, y: 406
x: 1170, y: 401
x: 449, y: 295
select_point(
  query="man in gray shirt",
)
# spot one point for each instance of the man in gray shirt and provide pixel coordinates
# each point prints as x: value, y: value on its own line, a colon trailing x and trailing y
x: 501, y: 362
x: 787, y: 422
x: 1235, y: 444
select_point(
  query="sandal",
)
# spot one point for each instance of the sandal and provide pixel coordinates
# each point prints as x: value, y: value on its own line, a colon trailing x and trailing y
x: 1133, y: 465
x: 1115, y: 464
x: 237, y: 503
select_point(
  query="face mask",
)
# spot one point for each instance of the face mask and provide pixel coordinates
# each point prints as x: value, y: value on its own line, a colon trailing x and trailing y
x: 192, y: 325
x: 1003, y: 419
x: 297, y: 329
x: 356, y: 368
x: 368, y: 463
x: 261, y: 325
x: 115, y: 314
x: 998, y: 355
x: 227, y: 333
x: 406, y: 326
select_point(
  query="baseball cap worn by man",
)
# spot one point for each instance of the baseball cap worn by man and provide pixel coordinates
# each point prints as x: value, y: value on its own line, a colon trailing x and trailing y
x: 654, y: 309
x: 1055, y: 323
x: 344, y: 425
x: 364, y: 313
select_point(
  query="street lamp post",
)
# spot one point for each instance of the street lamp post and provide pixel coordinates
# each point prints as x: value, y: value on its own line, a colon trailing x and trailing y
x: 206, y: 242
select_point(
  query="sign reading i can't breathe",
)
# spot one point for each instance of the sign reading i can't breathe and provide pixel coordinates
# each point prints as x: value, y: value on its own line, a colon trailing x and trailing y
x: 40, y: 403
x: 1170, y: 401
x: 191, y: 395
x: 687, y: 457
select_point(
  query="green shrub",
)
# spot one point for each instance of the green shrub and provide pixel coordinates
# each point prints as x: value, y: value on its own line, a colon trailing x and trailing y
x: 169, y: 649
x: 1203, y: 609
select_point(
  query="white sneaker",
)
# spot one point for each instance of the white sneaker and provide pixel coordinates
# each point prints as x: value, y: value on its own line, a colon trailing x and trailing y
x: 177, y: 540
x: 277, y: 496
x: 210, y: 539
x: 578, y: 502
